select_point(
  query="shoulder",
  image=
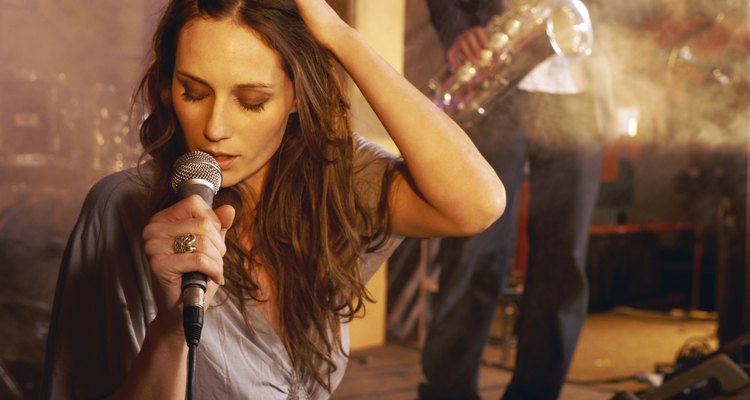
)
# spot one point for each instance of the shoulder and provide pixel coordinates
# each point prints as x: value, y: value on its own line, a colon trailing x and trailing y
x: 135, y: 178
x: 372, y: 167
x: 365, y: 151
x: 370, y: 158
x: 126, y: 190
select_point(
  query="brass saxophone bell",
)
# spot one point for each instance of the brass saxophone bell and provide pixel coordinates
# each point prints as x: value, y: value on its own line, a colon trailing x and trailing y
x: 519, y: 40
x: 569, y: 29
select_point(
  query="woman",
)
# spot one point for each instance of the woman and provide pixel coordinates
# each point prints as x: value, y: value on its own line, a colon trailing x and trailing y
x: 307, y: 210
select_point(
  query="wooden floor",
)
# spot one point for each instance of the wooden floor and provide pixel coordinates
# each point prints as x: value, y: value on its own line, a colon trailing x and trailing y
x: 392, y: 372
x: 614, y: 348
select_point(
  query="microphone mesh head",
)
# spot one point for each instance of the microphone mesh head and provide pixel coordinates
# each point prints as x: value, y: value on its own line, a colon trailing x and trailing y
x: 196, y: 165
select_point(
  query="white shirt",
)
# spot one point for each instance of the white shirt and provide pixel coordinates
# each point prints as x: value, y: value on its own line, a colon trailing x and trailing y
x: 557, y: 74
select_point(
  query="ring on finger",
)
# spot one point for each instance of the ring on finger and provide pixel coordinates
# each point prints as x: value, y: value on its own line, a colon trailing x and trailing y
x: 185, y: 244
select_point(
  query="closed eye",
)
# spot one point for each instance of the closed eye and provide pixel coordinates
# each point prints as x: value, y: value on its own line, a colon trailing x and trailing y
x: 252, y: 107
x: 193, y: 98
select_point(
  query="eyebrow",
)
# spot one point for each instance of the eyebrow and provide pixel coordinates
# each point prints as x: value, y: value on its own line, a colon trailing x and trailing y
x: 254, y: 85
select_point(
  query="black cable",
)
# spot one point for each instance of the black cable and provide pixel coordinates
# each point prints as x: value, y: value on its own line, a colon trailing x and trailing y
x: 190, y: 372
x: 609, y: 380
x: 192, y: 320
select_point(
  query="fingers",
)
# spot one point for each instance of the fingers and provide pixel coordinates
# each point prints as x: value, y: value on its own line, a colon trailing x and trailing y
x: 322, y: 20
x: 159, y: 237
x: 454, y: 57
x: 468, y: 46
x: 170, y: 267
x: 189, y: 216
x: 472, y: 42
x: 225, y: 214
x: 191, y: 207
x: 211, y: 290
x: 164, y: 246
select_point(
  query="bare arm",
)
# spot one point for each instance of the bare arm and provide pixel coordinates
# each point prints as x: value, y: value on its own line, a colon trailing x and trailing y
x: 454, y: 191
x: 160, y: 369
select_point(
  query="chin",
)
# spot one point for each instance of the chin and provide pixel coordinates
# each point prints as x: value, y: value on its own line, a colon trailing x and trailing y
x: 225, y: 183
x: 228, y: 179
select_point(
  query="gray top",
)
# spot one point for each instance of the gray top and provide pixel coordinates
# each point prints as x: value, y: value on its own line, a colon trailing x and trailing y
x: 104, y: 302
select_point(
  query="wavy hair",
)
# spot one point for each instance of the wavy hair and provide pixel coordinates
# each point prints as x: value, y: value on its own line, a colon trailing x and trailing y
x: 309, y: 226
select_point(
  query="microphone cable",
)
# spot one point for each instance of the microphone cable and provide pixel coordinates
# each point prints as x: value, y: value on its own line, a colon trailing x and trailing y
x: 191, y: 372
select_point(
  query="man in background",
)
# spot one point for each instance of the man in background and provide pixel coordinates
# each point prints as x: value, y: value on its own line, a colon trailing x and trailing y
x: 552, y: 124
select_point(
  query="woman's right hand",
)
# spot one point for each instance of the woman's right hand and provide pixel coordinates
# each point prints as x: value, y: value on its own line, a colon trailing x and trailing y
x: 188, y: 216
x: 322, y: 21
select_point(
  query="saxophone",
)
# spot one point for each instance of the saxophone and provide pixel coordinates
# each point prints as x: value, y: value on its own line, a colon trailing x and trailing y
x: 519, y: 39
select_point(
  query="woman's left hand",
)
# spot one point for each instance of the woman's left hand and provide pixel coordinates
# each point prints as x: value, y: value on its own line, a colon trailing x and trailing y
x: 322, y: 20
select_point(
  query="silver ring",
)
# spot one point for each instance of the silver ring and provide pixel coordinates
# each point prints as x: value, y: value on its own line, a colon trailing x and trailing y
x: 185, y: 244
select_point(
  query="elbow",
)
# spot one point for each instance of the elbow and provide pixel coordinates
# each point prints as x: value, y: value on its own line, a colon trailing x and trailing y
x: 493, y: 210
x: 498, y: 207
x: 486, y: 211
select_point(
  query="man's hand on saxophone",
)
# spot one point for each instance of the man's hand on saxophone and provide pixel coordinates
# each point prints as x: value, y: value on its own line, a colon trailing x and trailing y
x: 467, y: 46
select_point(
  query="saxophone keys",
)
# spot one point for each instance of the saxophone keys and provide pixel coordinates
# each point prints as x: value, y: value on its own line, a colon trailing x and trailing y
x: 465, y: 73
x: 498, y: 41
x: 485, y: 57
x: 512, y: 27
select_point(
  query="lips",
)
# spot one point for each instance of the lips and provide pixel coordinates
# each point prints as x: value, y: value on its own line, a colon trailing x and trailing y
x: 225, y: 161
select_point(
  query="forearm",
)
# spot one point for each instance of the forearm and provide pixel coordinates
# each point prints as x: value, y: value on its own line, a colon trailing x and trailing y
x: 447, y: 169
x: 160, y: 369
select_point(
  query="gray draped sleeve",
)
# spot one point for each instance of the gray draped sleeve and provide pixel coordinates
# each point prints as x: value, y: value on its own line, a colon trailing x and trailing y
x: 103, y: 300
x: 371, y: 164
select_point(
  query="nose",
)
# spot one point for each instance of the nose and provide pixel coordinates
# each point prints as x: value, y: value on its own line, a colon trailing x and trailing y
x: 218, y: 127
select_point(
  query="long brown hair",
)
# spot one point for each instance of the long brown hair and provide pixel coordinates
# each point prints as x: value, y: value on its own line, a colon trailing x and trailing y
x: 309, y: 227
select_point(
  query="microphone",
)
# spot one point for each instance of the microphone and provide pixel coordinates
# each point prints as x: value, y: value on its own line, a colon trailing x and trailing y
x: 198, y: 173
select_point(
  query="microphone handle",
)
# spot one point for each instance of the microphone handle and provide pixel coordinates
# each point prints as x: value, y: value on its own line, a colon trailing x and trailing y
x: 194, y: 283
x: 196, y: 280
x: 193, y: 291
x: 204, y: 189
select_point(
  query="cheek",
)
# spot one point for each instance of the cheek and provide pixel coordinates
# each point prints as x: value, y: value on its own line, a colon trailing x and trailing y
x: 275, y: 131
x: 270, y: 126
x: 189, y: 118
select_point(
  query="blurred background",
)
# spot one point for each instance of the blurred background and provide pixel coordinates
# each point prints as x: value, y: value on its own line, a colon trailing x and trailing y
x: 670, y: 226
x: 67, y: 72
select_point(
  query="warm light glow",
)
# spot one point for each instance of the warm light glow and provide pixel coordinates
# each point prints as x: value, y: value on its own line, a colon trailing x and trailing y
x: 627, y: 121
x: 632, y: 127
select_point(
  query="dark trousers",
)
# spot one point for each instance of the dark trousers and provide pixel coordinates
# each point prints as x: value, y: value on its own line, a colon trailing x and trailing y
x: 557, y: 135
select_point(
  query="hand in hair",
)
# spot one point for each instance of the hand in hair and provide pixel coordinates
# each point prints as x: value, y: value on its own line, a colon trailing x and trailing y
x: 322, y: 20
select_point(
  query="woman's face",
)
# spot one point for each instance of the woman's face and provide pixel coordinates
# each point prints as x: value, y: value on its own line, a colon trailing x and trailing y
x: 232, y: 97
